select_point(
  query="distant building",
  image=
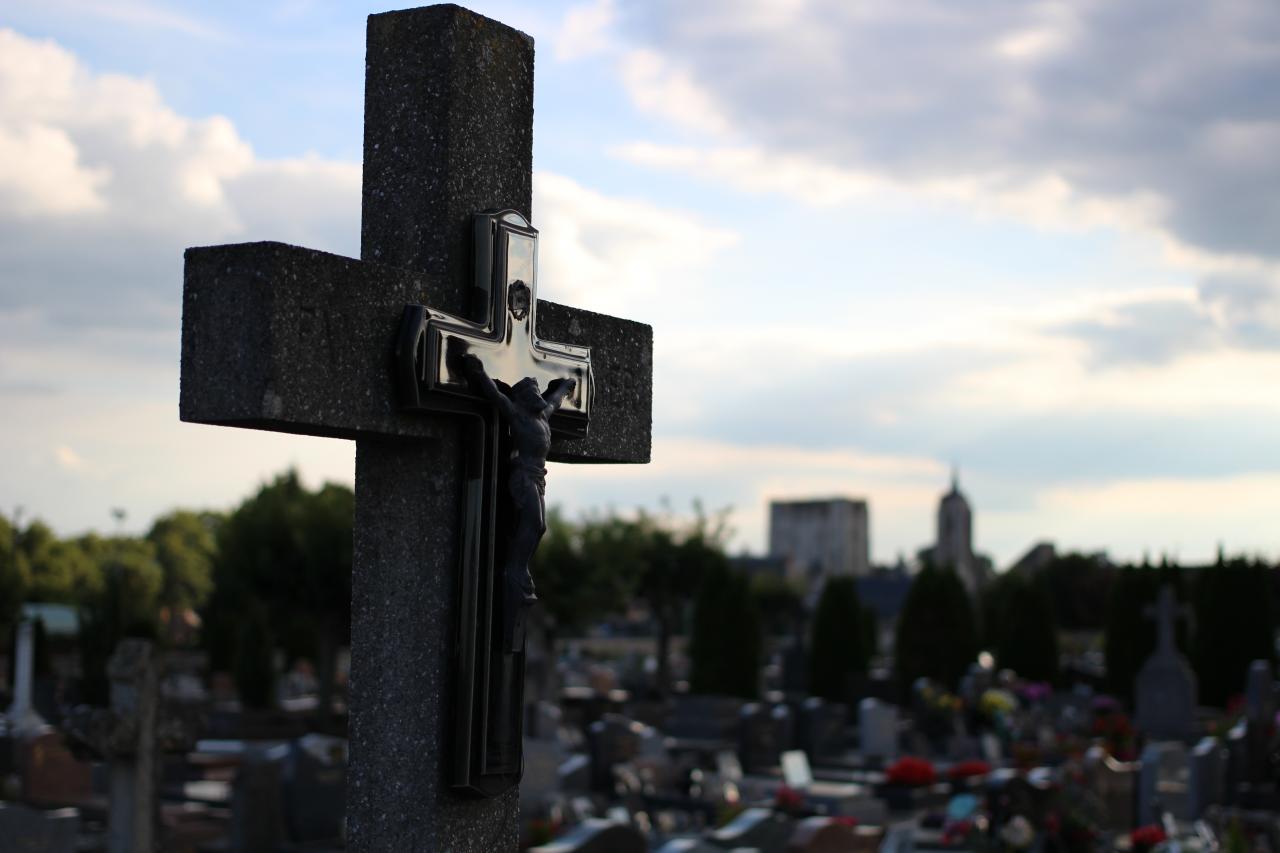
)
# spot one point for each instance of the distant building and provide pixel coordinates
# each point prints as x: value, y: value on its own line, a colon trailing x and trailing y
x: 954, y: 545
x: 779, y: 567
x: 823, y: 538
x: 1038, y: 557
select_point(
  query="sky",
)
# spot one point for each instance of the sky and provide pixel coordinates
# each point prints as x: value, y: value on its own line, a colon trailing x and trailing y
x: 1038, y: 241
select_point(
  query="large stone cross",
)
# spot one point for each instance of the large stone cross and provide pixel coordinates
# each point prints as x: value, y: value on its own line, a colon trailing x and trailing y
x: 284, y: 338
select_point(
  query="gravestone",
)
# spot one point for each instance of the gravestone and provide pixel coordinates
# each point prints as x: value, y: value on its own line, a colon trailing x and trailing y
x: 1260, y: 688
x: 1113, y: 784
x: 877, y: 729
x: 289, y: 339
x: 764, y: 732
x: 313, y: 786
x: 1163, y: 782
x: 1165, y: 696
x: 26, y: 829
x: 821, y: 835
x: 1208, y: 782
x: 22, y: 717
x: 51, y: 773
x: 595, y: 835
x: 820, y: 730
x: 762, y: 829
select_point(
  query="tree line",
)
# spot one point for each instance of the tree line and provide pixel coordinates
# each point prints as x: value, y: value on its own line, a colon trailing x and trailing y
x: 274, y: 574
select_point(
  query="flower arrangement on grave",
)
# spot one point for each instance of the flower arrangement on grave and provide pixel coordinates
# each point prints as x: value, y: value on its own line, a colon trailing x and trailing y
x: 996, y: 703
x: 1116, y: 733
x: 543, y: 830
x: 1018, y: 833
x: 1035, y: 692
x: 969, y: 769
x: 911, y: 771
x: 788, y: 800
x: 937, y: 710
x: 1144, y: 838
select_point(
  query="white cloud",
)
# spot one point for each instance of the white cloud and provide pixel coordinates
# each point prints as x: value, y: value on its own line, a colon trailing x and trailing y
x: 585, y: 30
x: 616, y: 255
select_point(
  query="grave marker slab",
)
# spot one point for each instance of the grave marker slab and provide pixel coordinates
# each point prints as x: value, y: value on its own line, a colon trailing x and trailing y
x: 1165, y: 697
x: 283, y: 338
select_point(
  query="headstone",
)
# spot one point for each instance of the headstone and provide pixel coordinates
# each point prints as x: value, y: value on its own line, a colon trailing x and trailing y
x: 763, y: 829
x: 764, y: 732
x: 877, y: 729
x: 1114, y: 785
x: 597, y: 836
x: 257, y: 815
x: 288, y: 339
x: 313, y: 780
x: 51, y: 773
x: 22, y: 716
x: 821, y: 730
x: 702, y: 725
x: 688, y: 845
x: 1165, y: 694
x: 1208, y: 784
x: 821, y: 835
x: 26, y: 829
x: 1163, y: 783
x: 1239, y: 762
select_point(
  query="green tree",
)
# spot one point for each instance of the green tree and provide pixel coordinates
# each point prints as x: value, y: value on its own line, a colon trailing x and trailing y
x: 936, y: 635
x: 1078, y: 586
x: 1130, y: 633
x: 1234, y: 626
x: 185, y: 548
x: 14, y: 578
x: 1019, y: 626
x: 838, y: 651
x: 725, y: 643
x: 780, y: 602
x: 60, y: 571
x: 290, y: 550
x: 124, y: 602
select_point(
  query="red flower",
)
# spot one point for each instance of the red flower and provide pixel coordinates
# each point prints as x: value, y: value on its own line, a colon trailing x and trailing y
x: 1146, y: 837
x: 844, y: 820
x: 966, y: 769
x: 788, y: 799
x: 911, y: 771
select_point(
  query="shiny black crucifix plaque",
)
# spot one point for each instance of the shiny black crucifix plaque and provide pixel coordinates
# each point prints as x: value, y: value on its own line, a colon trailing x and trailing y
x: 431, y: 354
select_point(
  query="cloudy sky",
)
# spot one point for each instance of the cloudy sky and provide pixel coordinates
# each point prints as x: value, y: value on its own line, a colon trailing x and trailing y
x: 1039, y: 240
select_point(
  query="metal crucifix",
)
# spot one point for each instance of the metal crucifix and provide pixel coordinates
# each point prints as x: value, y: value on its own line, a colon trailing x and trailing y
x: 491, y: 365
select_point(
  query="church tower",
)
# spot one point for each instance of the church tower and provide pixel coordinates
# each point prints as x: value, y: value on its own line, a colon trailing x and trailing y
x: 954, y: 546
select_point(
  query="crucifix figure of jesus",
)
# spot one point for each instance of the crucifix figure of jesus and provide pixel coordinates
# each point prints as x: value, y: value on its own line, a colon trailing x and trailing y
x: 528, y: 415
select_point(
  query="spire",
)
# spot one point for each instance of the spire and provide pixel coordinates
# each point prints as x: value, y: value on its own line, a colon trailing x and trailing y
x: 955, y: 477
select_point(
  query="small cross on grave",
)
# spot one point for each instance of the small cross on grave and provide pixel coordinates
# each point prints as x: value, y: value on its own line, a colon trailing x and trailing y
x: 1165, y: 612
x: 1165, y: 693
x: 420, y: 352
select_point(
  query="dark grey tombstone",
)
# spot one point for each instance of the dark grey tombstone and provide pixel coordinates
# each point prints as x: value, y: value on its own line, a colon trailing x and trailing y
x: 1164, y: 782
x: 688, y: 845
x: 257, y: 815
x: 703, y: 725
x: 1238, y: 760
x: 26, y: 829
x: 762, y: 829
x: 820, y: 730
x: 1208, y: 776
x: 764, y: 733
x: 293, y: 340
x: 597, y: 836
x: 1260, y: 688
x: 313, y: 785
x: 1165, y: 695
x: 613, y: 739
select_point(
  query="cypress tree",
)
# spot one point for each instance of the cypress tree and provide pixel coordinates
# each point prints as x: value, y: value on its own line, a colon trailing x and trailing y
x: 725, y: 643
x: 936, y: 634
x: 839, y: 647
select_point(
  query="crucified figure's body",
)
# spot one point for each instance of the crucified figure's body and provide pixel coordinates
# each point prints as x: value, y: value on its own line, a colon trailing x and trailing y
x: 528, y: 414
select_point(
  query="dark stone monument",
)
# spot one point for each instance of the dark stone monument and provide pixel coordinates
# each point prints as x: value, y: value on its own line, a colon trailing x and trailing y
x: 289, y: 339
x: 23, y: 828
x: 595, y: 835
x: 1166, y: 690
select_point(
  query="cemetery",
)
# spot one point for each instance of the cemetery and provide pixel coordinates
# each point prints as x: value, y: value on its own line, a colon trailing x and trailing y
x: 441, y: 659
